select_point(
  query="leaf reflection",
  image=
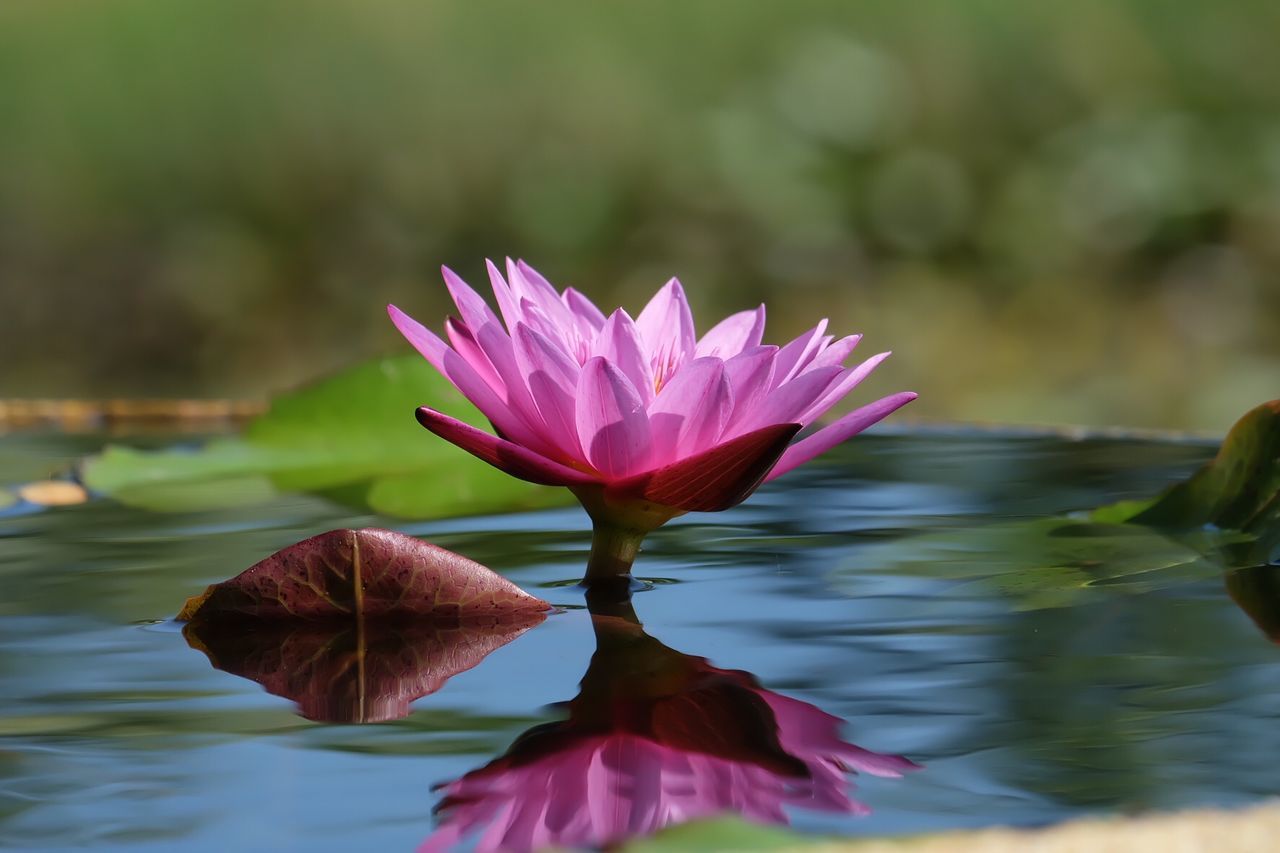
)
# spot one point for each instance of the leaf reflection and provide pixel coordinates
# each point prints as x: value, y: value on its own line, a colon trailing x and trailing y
x: 655, y: 738
x: 1256, y: 590
x: 365, y: 672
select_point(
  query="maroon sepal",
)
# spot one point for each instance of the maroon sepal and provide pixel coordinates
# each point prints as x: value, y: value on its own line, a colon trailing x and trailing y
x: 715, y: 479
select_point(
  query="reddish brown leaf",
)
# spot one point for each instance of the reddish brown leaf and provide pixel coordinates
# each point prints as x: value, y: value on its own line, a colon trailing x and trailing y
x: 365, y: 673
x: 715, y: 479
x: 367, y: 574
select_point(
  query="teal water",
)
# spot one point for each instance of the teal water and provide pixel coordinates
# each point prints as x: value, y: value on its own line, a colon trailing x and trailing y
x: 879, y: 586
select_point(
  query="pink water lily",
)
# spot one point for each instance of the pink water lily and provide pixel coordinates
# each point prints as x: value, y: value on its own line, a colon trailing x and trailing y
x: 641, y: 418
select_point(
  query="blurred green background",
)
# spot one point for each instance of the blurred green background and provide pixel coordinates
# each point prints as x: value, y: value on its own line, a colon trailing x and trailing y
x: 1051, y: 212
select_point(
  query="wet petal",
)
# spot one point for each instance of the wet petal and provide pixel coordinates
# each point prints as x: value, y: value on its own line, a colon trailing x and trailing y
x: 846, y: 427
x: 689, y: 414
x: 611, y: 420
x: 666, y: 327
x: 510, y: 457
x: 733, y: 335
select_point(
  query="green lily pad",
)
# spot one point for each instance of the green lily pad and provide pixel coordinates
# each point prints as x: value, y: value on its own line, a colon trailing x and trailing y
x: 352, y: 437
x: 1239, y: 489
x: 1224, y: 517
x: 1046, y: 562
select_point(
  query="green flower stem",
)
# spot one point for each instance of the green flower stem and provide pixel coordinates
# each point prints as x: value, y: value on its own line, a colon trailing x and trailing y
x: 613, y: 550
x: 619, y: 525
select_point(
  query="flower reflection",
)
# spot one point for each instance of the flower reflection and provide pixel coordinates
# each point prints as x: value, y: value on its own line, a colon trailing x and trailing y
x: 655, y: 738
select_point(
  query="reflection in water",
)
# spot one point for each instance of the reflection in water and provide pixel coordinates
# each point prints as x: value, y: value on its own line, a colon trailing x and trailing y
x: 358, y: 673
x: 655, y: 738
x: 1256, y: 590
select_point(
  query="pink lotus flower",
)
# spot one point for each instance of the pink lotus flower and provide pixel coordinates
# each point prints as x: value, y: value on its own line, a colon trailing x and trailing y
x: 656, y: 738
x: 641, y: 418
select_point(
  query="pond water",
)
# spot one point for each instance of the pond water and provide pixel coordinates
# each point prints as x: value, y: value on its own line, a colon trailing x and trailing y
x: 879, y: 585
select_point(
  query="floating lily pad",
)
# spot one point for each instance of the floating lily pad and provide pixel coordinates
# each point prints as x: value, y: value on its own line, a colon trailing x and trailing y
x: 1239, y: 489
x: 347, y: 576
x: 352, y: 437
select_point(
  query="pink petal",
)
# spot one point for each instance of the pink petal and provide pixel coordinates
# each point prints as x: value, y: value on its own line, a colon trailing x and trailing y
x: 692, y: 409
x: 619, y: 343
x: 666, y: 327
x: 475, y: 312
x: 786, y: 403
x: 750, y: 375
x: 464, y: 377
x: 508, y: 303
x: 464, y: 344
x: 502, y: 454
x: 552, y: 380
x: 501, y: 353
x: 733, y: 335
x: 836, y: 353
x: 584, y: 309
x: 795, y: 356
x: 528, y: 283
x: 841, y: 387
x: 612, y: 424
x: 846, y: 427
x: 714, y: 479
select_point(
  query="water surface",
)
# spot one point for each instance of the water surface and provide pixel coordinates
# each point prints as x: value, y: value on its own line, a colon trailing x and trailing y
x: 836, y: 586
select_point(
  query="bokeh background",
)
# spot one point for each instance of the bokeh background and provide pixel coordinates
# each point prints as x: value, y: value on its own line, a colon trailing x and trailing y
x: 1051, y: 212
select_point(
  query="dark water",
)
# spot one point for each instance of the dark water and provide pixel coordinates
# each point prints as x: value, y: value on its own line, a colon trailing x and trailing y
x: 855, y: 586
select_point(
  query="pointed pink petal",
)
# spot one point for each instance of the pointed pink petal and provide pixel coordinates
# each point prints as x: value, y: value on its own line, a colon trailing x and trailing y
x: 836, y: 353
x: 786, y: 403
x: 583, y: 308
x: 528, y: 283
x: 750, y: 375
x: 619, y: 343
x: 714, y: 479
x: 508, y: 304
x: 733, y: 335
x: 552, y: 379
x: 500, y: 453
x: 612, y: 424
x: 692, y: 409
x: 847, y: 427
x: 796, y: 355
x: 666, y: 327
x: 501, y: 353
x: 464, y: 344
x: 848, y: 380
x: 475, y: 312
x: 464, y: 377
